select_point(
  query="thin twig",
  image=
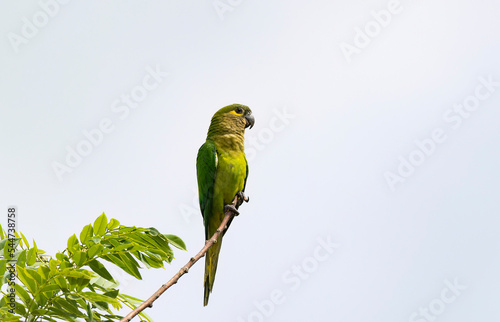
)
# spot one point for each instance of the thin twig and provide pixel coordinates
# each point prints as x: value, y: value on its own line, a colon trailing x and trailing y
x: 149, y: 302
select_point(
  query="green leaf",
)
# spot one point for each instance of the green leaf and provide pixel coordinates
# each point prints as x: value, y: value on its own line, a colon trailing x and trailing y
x: 99, y: 268
x: 112, y: 293
x: 26, y: 279
x: 21, y: 258
x: 103, y: 283
x: 96, y: 297
x: 73, y: 296
x: 148, y: 241
x: 53, y: 267
x: 2, y: 245
x: 40, y: 312
x: 65, y: 264
x: 8, y: 317
x: 9, y: 245
x: 62, y: 314
x: 103, y: 306
x: 77, y: 273
x: 130, y: 261
x: 34, y: 274
x: 86, y: 234
x: 159, y: 254
x: 69, y: 306
x: 16, y: 234
x: 113, y: 223
x: 79, y: 258
x: 90, y: 314
x: 124, y: 230
x: 153, y: 231
x: 20, y: 308
x: 40, y: 299
x: 72, y: 242
x: 31, y: 257
x: 43, y: 271
x: 176, y: 241
x: 161, y: 243
x: 100, y: 225
x: 95, y: 240
x: 50, y: 288
x: 135, y: 302
x: 23, y: 294
x: 138, y: 248
x: 3, y: 266
x: 61, y: 281
x: 33, y: 305
x: 72, y: 283
x: 25, y: 240
x: 62, y: 257
x: 124, y: 263
x: 132, y: 300
x: 150, y: 261
x: 81, y: 283
x: 120, y: 247
x: 95, y: 250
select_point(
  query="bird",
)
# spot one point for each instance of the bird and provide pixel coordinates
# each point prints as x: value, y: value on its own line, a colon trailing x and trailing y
x: 222, y: 172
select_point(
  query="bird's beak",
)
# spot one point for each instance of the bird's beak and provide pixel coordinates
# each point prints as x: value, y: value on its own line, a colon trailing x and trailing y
x: 250, y: 120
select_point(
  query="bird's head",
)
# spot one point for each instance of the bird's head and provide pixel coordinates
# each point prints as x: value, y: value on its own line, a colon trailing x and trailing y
x: 231, y: 119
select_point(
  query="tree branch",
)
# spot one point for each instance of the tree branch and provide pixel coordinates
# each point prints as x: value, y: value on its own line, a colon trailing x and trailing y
x: 229, y: 214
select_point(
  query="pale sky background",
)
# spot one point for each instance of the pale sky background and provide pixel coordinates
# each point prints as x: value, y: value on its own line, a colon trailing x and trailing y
x: 319, y: 174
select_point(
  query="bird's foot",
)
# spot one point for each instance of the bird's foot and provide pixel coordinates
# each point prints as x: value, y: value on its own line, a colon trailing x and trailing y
x: 242, y: 197
x: 232, y: 209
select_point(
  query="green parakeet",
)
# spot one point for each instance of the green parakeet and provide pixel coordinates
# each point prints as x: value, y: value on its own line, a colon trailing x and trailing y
x: 222, y: 171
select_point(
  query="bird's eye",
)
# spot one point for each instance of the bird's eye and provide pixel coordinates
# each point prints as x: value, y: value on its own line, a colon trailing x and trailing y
x: 238, y: 110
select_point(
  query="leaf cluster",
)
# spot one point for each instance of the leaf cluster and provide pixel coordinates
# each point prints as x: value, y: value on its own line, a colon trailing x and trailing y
x: 75, y: 285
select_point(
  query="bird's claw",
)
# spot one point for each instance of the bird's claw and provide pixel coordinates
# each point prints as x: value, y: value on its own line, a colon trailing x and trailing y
x: 242, y: 197
x: 232, y: 209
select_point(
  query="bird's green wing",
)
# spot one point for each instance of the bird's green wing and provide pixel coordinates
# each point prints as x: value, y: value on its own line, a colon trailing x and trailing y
x: 206, y: 170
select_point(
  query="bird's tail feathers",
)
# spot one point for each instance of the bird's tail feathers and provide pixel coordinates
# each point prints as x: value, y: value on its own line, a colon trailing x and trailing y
x: 211, y: 259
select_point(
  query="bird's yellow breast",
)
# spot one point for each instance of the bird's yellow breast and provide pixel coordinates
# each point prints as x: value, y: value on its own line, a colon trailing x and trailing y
x: 230, y: 177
